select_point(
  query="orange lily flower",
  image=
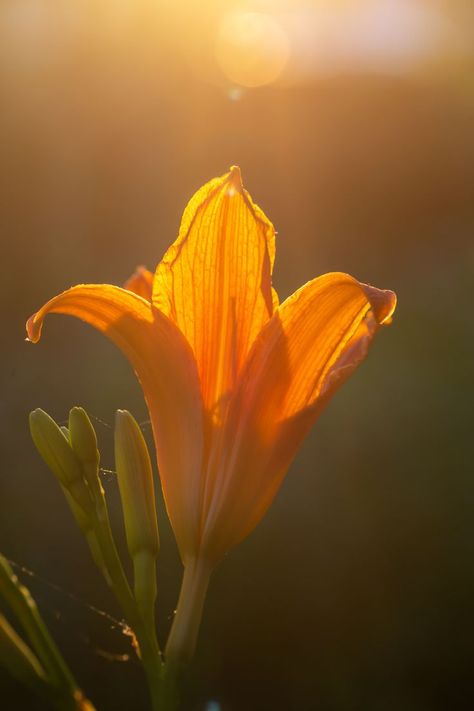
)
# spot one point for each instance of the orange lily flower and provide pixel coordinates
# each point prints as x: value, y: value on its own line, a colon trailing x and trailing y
x: 233, y: 380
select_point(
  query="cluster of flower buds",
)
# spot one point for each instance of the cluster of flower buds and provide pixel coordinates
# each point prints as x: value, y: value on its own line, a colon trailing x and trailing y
x: 72, y: 455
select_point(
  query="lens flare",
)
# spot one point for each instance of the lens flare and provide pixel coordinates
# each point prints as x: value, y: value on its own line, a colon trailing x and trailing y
x: 252, y: 48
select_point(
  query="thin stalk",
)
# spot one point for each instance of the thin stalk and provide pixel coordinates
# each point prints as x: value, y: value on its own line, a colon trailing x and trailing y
x: 169, y: 695
x: 149, y: 650
x: 116, y: 575
x: 184, y: 630
x: 144, y: 585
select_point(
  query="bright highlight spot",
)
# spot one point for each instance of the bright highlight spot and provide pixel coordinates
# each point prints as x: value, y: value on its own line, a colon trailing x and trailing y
x: 235, y: 93
x: 252, y: 48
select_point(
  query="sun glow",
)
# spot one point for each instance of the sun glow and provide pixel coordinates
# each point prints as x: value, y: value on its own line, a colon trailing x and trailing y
x: 252, y: 48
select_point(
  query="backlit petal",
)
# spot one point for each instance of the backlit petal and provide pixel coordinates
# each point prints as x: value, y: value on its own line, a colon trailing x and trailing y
x: 167, y: 371
x: 313, y: 342
x: 141, y: 283
x: 215, y: 283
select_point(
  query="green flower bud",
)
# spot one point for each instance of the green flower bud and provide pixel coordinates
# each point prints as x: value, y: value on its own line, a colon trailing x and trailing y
x: 84, y: 444
x: 53, y: 447
x: 82, y: 436
x: 58, y: 455
x: 135, y: 478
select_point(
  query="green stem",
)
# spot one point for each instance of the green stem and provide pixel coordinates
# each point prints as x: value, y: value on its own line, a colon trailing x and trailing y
x: 169, y: 697
x: 145, y: 634
x: 153, y: 672
x: 144, y: 585
x: 117, y: 579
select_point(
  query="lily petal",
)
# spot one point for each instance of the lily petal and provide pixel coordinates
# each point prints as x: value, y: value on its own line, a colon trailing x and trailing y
x: 313, y: 342
x: 166, y: 368
x: 215, y: 283
x: 141, y: 283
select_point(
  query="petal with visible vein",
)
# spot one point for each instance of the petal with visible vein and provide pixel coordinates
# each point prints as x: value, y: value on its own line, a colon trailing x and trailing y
x: 215, y: 283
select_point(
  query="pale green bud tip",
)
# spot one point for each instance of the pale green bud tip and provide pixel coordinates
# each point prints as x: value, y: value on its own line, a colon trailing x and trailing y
x: 82, y: 436
x: 54, y: 448
x: 135, y: 478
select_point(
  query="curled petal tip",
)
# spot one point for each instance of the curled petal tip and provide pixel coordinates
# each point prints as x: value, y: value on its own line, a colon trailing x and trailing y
x: 235, y: 179
x: 140, y: 282
x: 383, y: 302
x: 33, y: 329
x: 390, y: 306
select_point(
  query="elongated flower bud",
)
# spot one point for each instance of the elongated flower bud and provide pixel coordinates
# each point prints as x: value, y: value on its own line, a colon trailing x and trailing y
x: 135, y: 479
x: 53, y: 447
x: 82, y: 435
x: 58, y: 455
x: 84, y: 444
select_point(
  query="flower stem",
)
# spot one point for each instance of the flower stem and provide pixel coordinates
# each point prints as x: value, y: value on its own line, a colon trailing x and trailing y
x: 145, y: 634
x: 144, y: 586
x: 184, y: 630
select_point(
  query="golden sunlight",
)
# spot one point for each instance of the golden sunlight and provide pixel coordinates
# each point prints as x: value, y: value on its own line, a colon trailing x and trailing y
x: 171, y: 453
x: 252, y: 48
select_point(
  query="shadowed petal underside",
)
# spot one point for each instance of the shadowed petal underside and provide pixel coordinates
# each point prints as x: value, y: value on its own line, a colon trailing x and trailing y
x: 314, y: 341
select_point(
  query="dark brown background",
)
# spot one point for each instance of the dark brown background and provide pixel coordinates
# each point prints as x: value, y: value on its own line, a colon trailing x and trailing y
x: 357, y: 590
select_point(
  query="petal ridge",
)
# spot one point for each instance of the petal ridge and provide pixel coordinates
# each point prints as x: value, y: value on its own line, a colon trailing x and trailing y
x: 214, y: 282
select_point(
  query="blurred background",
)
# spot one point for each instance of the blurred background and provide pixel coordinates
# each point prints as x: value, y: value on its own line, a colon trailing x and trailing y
x: 352, y: 121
